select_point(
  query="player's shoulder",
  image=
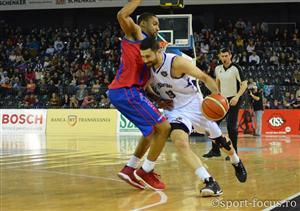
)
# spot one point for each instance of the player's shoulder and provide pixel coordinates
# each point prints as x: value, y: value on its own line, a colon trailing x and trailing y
x: 218, y: 68
x: 171, y: 55
x: 236, y: 66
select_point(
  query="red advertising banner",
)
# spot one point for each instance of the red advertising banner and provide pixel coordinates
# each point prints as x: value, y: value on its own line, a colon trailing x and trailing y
x: 274, y: 122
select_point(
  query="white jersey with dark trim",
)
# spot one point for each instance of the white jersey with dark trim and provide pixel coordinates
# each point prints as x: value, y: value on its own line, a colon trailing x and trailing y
x: 230, y: 79
x: 180, y: 90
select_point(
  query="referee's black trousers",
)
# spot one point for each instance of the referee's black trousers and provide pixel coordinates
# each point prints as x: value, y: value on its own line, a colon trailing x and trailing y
x: 232, y: 122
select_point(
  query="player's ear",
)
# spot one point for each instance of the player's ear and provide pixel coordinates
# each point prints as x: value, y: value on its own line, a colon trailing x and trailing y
x: 143, y: 23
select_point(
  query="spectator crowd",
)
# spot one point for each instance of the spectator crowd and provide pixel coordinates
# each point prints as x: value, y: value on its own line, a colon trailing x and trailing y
x: 72, y: 68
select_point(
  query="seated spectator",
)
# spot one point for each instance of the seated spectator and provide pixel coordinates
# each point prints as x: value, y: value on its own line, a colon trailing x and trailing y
x: 86, y: 67
x: 276, y: 104
x: 254, y: 59
x: 12, y: 57
x: 292, y: 100
x: 104, y: 102
x: 81, y: 93
x: 250, y: 47
x: 297, y: 104
x: 30, y: 75
x: 239, y: 43
x: 50, y: 50
x: 88, y: 102
x: 282, y: 59
x: 244, y: 59
x: 266, y: 103
x: 54, y: 101
x: 296, y: 77
x: 30, y: 101
x: 65, y: 101
x: 5, y: 86
x: 73, y: 102
x: 30, y: 87
x: 19, y: 58
x: 17, y: 86
x: 274, y: 59
x: 51, y: 87
x: 204, y: 47
x: 58, y: 45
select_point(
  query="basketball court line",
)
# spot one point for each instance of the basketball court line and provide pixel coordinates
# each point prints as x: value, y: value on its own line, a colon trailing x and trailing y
x: 283, y: 201
x: 163, y: 196
x: 69, y: 174
x: 163, y: 200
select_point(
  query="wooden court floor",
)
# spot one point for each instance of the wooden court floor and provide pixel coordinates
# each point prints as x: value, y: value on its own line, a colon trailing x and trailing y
x: 79, y: 173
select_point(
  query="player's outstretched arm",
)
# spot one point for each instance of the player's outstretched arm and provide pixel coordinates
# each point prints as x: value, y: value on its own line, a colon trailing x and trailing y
x: 184, y: 66
x: 127, y: 24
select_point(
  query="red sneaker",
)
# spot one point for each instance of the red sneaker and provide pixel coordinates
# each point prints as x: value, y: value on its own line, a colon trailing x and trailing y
x: 127, y: 175
x: 150, y: 179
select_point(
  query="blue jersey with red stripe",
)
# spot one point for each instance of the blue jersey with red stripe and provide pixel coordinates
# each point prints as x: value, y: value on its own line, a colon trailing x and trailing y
x: 132, y: 71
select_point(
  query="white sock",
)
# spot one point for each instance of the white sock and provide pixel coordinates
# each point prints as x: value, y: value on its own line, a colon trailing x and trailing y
x: 133, y: 162
x: 234, y: 158
x: 202, y: 173
x: 148, y: 165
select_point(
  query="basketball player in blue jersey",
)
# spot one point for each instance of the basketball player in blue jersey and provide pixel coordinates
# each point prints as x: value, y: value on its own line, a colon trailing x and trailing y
x: 171, y: 81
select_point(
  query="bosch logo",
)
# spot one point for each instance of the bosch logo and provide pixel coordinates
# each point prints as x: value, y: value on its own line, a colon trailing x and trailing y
x: 276, y: 122
x: 22, y: 119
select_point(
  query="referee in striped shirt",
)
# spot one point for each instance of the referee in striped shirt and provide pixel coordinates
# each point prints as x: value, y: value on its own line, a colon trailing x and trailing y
x: 232, y: 85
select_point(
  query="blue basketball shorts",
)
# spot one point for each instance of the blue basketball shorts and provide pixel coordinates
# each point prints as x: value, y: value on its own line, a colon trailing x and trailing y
x: 136, y: 107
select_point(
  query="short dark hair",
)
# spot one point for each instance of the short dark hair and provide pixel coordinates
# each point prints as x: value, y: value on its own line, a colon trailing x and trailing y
x: 224, y: 50
x: 145, y: 17
x: 150, y: 43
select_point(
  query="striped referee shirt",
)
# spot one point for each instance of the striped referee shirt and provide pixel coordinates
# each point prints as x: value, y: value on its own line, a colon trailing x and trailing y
x: 230, y: 79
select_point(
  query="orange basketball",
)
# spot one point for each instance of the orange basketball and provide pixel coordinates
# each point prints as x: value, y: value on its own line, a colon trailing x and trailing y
x: 214, y: 107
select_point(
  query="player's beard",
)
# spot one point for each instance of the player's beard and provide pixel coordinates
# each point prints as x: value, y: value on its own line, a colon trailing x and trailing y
x: 152, y: 63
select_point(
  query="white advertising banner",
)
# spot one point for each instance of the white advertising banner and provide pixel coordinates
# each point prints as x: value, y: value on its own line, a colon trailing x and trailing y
x: 23, y: 120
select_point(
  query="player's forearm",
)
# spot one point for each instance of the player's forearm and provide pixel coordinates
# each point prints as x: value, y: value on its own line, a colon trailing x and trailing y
x: 211, y: 84
x: 256, y: 98
x: 129, y: 8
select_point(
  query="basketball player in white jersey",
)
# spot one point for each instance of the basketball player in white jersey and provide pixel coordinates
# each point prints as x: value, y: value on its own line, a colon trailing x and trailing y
x: 171, y: 81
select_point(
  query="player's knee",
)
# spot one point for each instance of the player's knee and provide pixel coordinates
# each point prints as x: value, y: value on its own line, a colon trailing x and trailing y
x: 222, y: 142
x: 163, y: 128
x: 181, y: 144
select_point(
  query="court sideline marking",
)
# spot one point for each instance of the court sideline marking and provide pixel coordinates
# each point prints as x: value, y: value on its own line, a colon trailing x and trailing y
x: 69, y: 174
x: 163, y: 196
x: 163, y: 200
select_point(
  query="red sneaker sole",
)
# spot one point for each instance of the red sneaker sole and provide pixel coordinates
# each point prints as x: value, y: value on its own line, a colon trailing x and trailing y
x: 127, y: 179
x: 139, y: 178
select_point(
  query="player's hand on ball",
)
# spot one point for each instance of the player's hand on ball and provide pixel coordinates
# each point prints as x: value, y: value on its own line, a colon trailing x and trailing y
x: 165, y: 104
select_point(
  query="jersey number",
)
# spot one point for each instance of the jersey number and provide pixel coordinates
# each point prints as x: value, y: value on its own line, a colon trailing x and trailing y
x: 170, y: 94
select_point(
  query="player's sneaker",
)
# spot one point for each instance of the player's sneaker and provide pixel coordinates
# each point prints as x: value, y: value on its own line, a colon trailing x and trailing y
x: 212, y: 153
x: 211, y: 188
x: 127, y: 175
x: 151, y: 179
x: 240, y: 171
